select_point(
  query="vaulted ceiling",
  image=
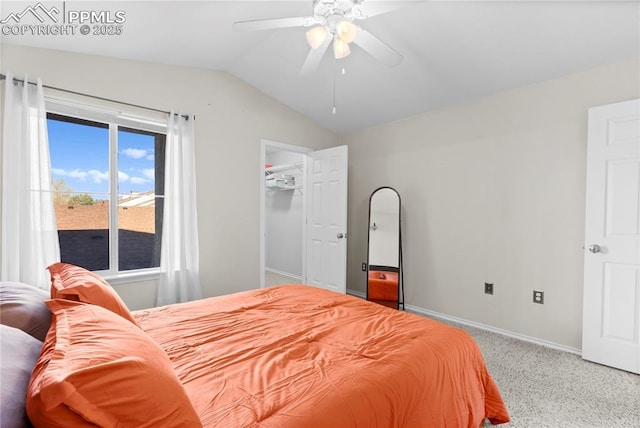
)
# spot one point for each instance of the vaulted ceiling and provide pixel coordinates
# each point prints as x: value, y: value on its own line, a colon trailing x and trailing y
x: 452, y: 51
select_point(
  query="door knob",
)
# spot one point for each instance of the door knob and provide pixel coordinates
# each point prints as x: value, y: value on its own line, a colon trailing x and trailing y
x: 595, y: 248
x: 341, y: 235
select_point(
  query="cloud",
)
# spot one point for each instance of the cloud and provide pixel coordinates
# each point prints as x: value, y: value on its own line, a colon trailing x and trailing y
x: 139, y: 180
x: 150, y: 173
x: 134, y: 153
x: 95, y: 175
x: 123, y: 176
x: 76, y: 173
x: 151, y: 157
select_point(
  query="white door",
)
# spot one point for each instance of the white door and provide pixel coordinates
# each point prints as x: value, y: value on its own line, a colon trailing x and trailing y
x: 326, y: 190
x: 611, y: 317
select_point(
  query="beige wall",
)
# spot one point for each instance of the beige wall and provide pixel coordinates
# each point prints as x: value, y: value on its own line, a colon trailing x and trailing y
x: 231, y: 119
x: 492, y: 190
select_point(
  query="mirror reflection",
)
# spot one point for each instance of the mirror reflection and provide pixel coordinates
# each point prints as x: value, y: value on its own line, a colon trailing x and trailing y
x: 384, y: 260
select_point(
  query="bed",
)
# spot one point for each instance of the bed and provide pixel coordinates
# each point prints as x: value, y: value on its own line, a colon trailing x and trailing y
x: 285, y: 356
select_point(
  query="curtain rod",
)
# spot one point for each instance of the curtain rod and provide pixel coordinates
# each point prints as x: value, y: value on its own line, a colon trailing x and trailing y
x: 68, y: 91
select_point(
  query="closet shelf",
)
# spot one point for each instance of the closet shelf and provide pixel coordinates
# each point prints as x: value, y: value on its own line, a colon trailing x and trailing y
x: 299, y: 187
x: 275, y: 181
x: 283, y: 167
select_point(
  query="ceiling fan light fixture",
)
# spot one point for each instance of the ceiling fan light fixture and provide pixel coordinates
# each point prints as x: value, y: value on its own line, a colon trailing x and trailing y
x: 347, y: 31
x: 340, y: 48
x: 316, y: 36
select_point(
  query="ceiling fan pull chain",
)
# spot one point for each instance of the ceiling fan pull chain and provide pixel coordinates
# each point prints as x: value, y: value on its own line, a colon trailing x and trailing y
x: 333, y: 111
x: 343, y: 72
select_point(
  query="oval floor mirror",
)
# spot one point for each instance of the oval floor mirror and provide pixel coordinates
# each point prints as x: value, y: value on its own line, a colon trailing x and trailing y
x: 384, y: 250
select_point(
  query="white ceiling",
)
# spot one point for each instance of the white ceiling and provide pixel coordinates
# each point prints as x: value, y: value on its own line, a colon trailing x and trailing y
x: 453, y: 50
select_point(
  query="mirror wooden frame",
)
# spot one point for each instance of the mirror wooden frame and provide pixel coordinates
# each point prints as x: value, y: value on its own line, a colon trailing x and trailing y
x: 385, y: 281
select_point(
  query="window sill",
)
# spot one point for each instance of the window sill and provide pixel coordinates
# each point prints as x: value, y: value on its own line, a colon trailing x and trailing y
x: 139, y: 276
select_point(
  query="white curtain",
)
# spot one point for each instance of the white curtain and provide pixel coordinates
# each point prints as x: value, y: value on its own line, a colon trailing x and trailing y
x: 29, y: 232
x: 179, y: 262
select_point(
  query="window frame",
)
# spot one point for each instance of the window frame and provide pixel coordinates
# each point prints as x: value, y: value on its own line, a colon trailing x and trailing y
x: 114, y: 120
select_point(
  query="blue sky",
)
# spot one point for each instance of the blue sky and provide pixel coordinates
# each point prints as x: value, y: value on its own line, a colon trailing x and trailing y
x: 80, y: 155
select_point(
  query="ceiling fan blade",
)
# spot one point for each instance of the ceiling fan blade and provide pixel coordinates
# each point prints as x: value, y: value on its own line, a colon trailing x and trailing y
x: 369, y: 8
x: 315, y: 57
x: 268, y: 24
x: 376, y: 48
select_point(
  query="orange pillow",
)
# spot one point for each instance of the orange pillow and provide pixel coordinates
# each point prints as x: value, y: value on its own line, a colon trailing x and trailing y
x: 60, y: 414
x: 73, y: 282
x: 97, y: 369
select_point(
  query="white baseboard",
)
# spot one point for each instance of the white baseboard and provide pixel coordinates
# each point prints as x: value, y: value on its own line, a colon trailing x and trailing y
x: 496, y: 330
x: 434, y: 314
x: 357, y: 293
x: 279, y: 272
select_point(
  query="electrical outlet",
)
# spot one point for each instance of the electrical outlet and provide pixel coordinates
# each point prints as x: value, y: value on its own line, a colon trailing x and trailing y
x: 364, y: 266
x: 538, y: 297
x: 488, y: 288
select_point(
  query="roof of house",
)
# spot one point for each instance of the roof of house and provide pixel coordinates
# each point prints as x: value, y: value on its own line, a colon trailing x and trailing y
x: 135, y: 213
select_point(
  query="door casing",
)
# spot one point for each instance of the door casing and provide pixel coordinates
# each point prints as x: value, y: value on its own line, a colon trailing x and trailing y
x: 264, y: 145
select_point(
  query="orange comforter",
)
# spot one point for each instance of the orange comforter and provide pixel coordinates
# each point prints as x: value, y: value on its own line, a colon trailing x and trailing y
x: 298, y: 356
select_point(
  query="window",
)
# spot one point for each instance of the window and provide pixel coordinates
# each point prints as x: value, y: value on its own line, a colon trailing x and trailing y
x: 108, y: 184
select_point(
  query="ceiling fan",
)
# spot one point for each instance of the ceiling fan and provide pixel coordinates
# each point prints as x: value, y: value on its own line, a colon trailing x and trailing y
x: 333, y: 21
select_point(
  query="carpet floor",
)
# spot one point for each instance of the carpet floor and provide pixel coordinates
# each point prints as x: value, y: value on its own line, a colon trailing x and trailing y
x: 273, y: 278
x: 544, y: 387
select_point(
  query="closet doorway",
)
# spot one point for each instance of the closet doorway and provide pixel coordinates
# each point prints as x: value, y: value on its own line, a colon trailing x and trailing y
x: 282, y: 214
x: 303, y: 216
